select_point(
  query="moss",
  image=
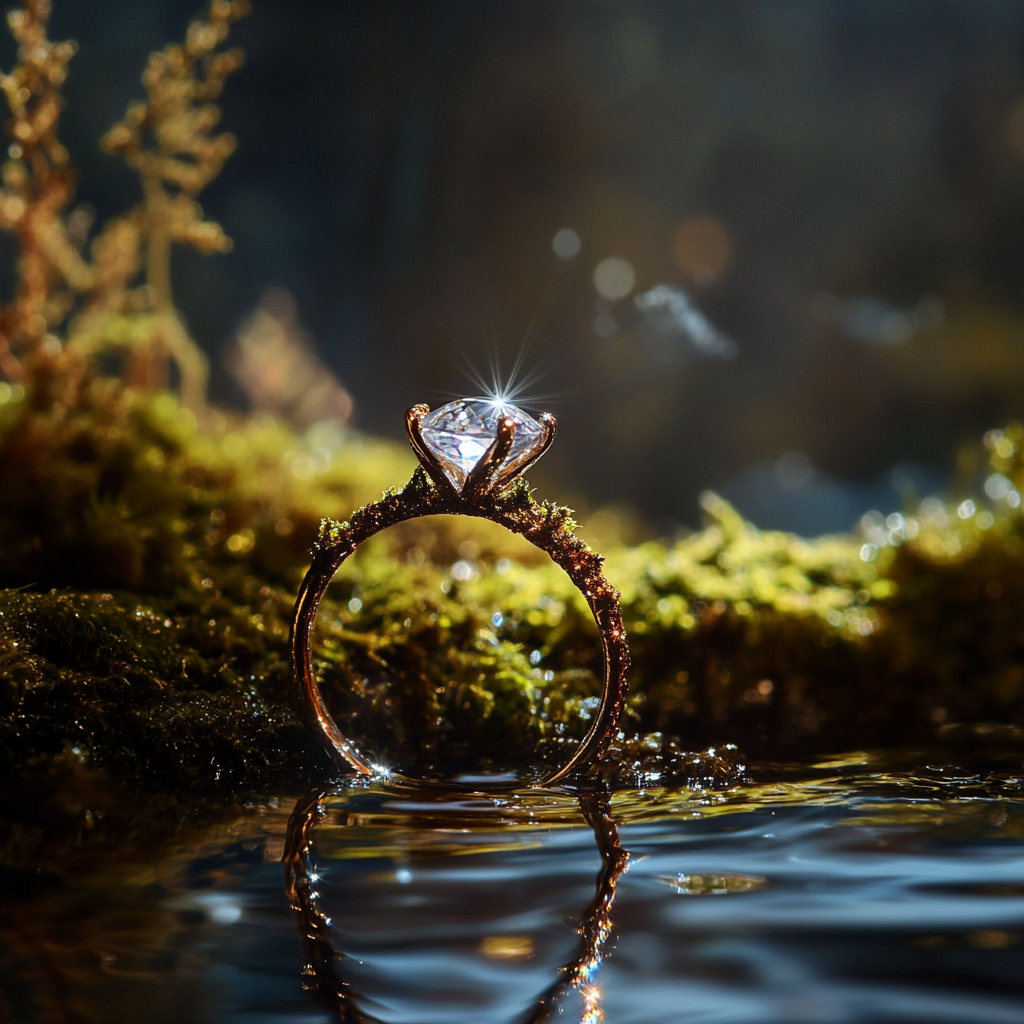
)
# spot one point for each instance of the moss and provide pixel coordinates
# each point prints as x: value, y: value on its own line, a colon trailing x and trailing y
x: 124, y: 490
x: 152, y: 567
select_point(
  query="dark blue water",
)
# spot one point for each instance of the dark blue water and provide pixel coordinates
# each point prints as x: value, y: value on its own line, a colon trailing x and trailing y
x: 839, y: 892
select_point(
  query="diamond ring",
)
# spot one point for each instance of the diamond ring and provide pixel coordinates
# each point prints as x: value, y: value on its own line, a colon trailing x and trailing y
x: 472, y: 455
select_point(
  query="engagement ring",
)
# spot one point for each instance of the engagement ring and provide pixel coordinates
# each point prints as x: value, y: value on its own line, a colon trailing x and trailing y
x: 472, y: 455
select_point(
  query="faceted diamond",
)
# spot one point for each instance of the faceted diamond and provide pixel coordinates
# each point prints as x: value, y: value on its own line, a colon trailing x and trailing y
x: 459, y: 434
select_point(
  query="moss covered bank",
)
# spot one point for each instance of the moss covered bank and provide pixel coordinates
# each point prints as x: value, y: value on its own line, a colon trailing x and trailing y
x: 151, y: 566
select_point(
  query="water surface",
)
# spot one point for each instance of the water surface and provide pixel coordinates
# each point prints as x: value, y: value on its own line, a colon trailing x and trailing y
x: 859, y: 888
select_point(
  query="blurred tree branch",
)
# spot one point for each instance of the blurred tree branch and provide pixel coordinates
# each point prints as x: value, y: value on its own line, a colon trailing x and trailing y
x: 168, y: 139
x: 38, y: 182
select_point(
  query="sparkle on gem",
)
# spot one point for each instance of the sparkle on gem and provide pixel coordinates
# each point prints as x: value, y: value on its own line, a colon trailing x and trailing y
x: 460, y: 432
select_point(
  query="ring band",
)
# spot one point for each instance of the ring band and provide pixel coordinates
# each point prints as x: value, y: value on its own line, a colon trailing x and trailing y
x: 472, y: 454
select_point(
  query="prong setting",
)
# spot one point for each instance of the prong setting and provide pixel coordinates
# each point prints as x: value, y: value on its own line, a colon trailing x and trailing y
x: 506, y: 474
x: 414, y: 425
x: 479, y: 480
x: 473, y: 447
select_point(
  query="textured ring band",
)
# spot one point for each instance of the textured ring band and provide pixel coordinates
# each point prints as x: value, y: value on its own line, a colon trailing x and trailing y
x: 472, y: 454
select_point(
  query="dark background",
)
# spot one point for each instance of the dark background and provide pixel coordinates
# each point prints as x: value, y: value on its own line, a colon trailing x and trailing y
x: 403, y: 167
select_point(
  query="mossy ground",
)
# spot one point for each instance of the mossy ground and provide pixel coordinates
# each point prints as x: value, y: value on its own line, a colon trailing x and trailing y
x: 152, y: 565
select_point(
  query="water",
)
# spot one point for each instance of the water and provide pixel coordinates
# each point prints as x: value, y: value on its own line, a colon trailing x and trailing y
x: 862, y: 888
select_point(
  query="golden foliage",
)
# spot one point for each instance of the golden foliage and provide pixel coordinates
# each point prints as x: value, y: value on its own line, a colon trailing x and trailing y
x: 168, y: 139
x: 38, y: 182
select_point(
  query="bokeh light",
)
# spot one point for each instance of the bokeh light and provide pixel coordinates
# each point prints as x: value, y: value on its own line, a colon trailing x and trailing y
x: 614, y: 278
x: 702, y: 249
x: 566, y: 244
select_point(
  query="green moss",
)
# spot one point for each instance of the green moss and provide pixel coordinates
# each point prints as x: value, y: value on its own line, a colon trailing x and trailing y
x: 125, y: 490
x: 152, y: 565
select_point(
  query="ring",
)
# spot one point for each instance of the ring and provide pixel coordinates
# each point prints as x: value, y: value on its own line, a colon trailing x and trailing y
x: 472, y: 455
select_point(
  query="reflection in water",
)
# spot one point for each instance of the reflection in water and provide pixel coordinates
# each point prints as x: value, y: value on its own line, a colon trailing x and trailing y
x: 865, y: 888
x: 323, y: 967
x: 596, y: 924
x: 322, y: 959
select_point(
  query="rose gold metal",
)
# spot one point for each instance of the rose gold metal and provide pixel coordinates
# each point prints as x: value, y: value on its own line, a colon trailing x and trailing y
x: 506, y: 474
x: 486, y: 494
x: 482, y: 475
x: 414, y: 425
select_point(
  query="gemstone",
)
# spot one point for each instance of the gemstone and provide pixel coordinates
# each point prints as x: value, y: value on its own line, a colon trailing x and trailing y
x: 460, y: 432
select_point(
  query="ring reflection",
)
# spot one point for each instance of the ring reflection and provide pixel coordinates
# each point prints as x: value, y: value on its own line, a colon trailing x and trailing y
x: 327, y: 971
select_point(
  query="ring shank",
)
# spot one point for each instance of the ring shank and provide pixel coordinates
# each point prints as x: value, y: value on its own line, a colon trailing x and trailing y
x: 541, y: 528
